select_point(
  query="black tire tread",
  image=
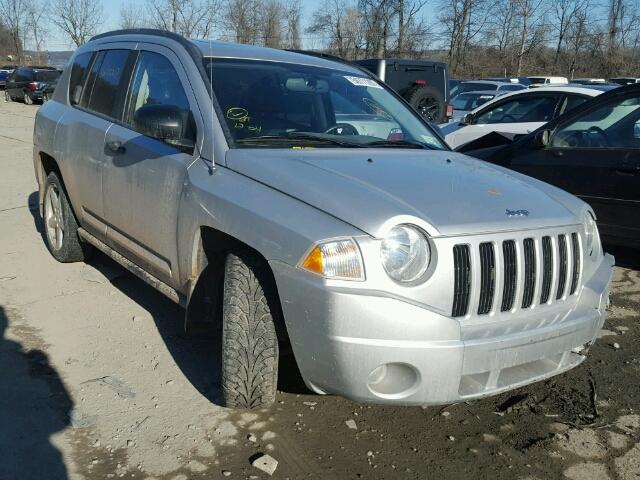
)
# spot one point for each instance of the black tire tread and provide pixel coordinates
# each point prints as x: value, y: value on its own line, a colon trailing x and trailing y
x: 73, y: 249
x: 249, y: 339
x: 414, y: 95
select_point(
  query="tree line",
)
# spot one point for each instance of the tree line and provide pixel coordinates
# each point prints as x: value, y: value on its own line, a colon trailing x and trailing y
x: 475, y: 37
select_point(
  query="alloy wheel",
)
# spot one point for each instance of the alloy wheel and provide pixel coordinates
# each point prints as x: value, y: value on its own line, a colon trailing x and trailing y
x: 53, y: 217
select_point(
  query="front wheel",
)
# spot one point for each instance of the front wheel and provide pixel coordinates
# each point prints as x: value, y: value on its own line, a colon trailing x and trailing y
x: 7, y: 97
x: 249, y: 340
x: 60, y: 225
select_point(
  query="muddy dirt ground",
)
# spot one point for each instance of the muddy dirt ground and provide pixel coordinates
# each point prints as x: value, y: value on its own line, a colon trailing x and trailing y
x: 98, y: 380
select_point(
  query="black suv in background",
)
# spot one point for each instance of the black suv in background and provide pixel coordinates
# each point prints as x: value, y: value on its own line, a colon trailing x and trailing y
x: 422, y: 83
x: 31, y: 84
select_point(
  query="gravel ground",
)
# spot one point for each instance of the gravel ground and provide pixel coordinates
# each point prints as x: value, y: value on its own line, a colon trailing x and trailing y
x: 97, y: 380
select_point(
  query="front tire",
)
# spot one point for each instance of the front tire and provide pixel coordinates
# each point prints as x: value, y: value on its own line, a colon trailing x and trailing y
x: 7, y: 96
x: 249, y: 340
x: 60, y: 225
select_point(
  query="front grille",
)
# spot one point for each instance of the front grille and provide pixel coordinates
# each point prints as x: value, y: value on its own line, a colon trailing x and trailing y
x: 513, y: 274
x: 462, y: 266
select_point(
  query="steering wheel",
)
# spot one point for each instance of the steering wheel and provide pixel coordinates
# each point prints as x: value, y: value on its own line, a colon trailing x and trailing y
x: 601, y: 133
x: 342, y: 129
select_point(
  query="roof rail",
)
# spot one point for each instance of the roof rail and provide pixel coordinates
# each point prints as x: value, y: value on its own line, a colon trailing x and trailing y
x: 140, y: 31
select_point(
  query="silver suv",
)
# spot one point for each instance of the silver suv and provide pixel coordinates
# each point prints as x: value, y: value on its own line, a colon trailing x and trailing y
x: 297, y: 200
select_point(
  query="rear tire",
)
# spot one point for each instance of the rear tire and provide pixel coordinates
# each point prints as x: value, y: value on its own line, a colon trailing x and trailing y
x: 429, y: 103
x: 7, y: 97
x: 249, y: 340
x: 27, y: 99
x: 60, y: 225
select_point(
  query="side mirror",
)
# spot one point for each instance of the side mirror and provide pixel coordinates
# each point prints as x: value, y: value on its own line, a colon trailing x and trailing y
x: 467, y: 119
x: 542, y: 138
x: 165, y: 123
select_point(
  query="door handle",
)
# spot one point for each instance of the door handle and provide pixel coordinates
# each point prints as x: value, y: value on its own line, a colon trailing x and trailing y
x: 115, y: 146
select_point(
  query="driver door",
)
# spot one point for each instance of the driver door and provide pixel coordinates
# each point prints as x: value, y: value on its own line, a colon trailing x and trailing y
x: 596, y: 155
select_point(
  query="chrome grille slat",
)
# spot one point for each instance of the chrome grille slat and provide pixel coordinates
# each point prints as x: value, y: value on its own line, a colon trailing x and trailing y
x: 462, y: 267
x: 547, y: 269
x: 529, y: 272
x: 510, y: 275
x: 575, y: 275
x: 507, y: 274
x: 562, y: 266
x: 487, y: 277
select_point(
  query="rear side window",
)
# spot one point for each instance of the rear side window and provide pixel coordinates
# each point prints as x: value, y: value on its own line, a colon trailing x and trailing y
x: 104, y: 83
x: 46, y: 75
x: 79, y: 71
x: 23, y: 75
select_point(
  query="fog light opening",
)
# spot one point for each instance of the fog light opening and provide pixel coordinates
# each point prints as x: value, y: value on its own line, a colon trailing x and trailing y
x: 393, y: 380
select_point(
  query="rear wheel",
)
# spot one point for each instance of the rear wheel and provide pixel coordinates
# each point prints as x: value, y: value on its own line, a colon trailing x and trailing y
x: 249, y: 340
x: 27, y: 99
x: 60, y: 226
x: 45, y: 97
x: 429, y: 102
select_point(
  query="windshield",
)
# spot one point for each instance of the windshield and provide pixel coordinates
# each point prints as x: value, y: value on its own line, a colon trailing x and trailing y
x: 472, y: 87
x: 283, y: 105
x: 470, y: 101
x: 537, y: 80
x: 46, y: 75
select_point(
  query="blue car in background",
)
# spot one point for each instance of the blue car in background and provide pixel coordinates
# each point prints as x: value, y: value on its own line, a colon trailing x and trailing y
x: 5, y: 71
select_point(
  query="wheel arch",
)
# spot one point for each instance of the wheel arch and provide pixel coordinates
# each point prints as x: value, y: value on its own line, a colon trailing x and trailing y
x: 204, y: 298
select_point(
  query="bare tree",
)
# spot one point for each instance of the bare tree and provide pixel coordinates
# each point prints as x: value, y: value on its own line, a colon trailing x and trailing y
x: 79, y: 19
x: 241, y: 21
x: 14, y: 16
x: 271, y: 23
x: 293, y: 25
x: 340, y: 25
x: 37, y: 23
x: 132, y: 16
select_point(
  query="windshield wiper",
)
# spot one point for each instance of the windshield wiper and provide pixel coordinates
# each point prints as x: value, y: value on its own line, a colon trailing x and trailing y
x: 293, y: 136
x: 399, y: 143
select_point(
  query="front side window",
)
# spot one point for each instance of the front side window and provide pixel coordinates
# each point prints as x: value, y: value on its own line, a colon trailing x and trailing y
x: 283, y: 105
x: 105, y: 83
x: 520, y: 110
x: 79, y: 71
x: 156, y: 82
x: 614, y: 125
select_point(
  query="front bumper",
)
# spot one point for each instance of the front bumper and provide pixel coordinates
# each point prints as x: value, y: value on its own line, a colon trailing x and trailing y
x: 373, y: 348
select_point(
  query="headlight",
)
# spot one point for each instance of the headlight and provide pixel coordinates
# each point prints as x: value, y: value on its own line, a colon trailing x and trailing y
x: 590, y: 232
x: 405, y: 253
x: 337, y: 259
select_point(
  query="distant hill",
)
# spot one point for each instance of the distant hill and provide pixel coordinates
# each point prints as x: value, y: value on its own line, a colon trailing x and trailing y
x: 58, y: 59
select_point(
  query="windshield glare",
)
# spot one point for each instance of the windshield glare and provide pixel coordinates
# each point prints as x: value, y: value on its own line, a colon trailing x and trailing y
x: 300, y: 104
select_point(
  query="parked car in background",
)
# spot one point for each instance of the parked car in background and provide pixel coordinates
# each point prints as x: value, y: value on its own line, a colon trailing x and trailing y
x: 521, y: 80
x: 422, y: 83
x: 516, y: 113
x: 588, y: 81
x: 624, y: 80
x: 468, y: 101
x: 398, y: 271
x: 592, y: 152
x: 540, y: 81
x: 484, y: 86
x: 31, y: 84
x: 5, y: 71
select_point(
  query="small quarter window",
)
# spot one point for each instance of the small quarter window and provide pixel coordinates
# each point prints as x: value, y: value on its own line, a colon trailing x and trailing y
x: 104, y: 83
x: 79, y: 71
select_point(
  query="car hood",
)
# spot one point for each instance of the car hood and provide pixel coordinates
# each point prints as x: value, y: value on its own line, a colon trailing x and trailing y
x: 450, y: 192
